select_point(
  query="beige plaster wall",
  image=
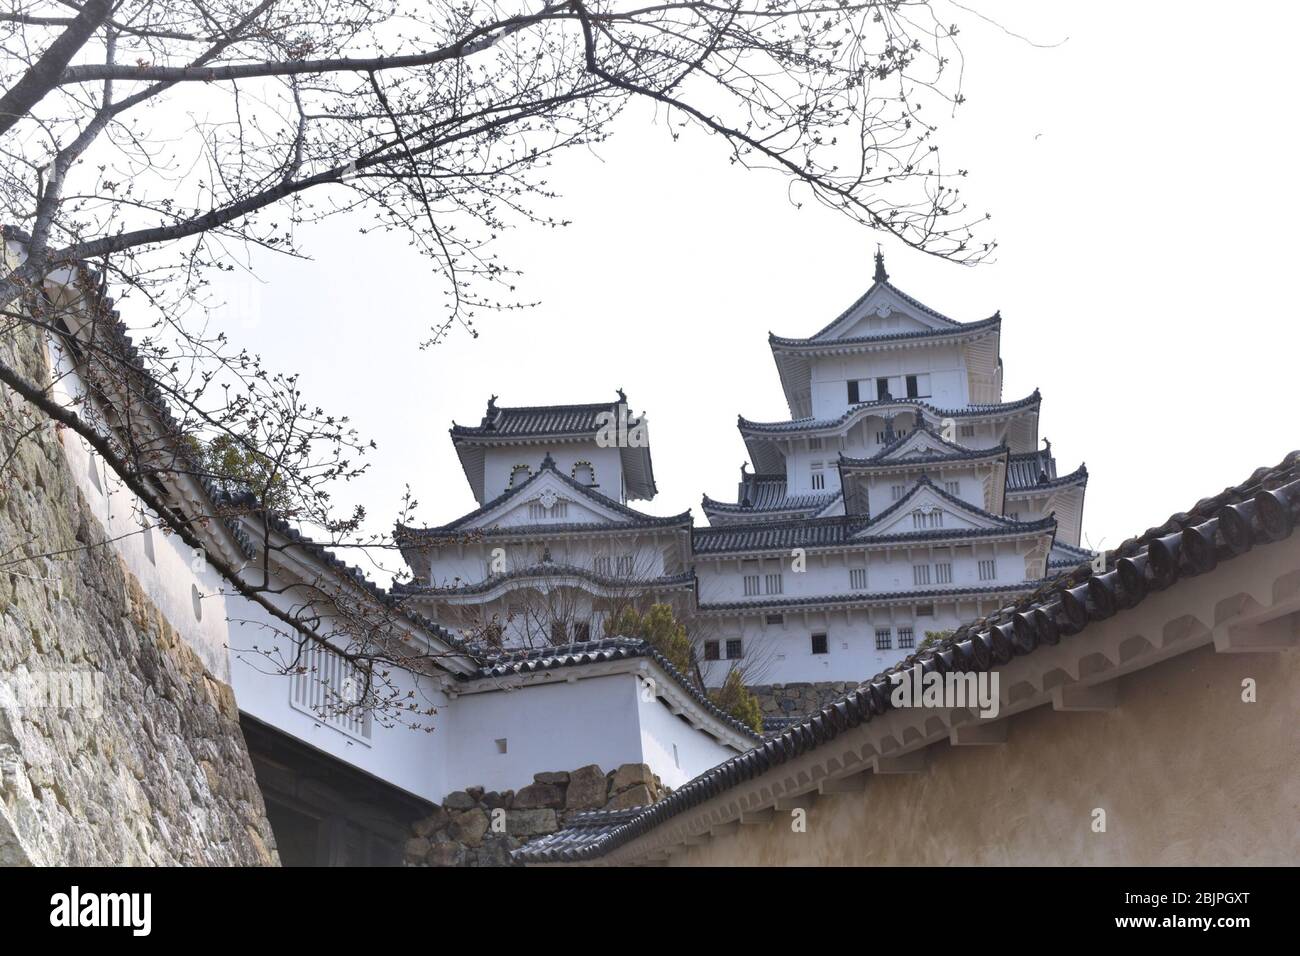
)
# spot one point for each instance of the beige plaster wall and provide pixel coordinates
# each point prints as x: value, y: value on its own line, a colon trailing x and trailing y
x: 1186, y: 771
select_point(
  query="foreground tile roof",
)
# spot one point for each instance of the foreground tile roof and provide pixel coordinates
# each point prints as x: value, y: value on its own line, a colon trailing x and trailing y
x: 1260, y: 510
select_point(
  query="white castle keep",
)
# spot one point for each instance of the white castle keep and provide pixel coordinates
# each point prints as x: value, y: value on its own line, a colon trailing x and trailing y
x: 903, y: 497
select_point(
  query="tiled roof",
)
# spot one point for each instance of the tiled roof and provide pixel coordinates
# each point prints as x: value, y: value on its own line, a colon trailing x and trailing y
x: 780, y: 342
x: 535, y: 660
x: 881, y: 280
x: 1261, y: 510
x: 843, y: 530
x: 1078, y: 476
x: 922, y: 596
x: 777, y: 535
x: 759, y: 493
x: 528, y: 421
x: 813, y: 424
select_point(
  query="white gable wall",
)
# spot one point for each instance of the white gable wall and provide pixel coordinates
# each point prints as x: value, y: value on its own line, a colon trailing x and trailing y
x: 500, y: 461
x: 945, y: 364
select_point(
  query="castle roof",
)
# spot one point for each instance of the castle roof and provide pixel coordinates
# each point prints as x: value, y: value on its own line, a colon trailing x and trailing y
x: 626, y: 517
x: 542, y: 424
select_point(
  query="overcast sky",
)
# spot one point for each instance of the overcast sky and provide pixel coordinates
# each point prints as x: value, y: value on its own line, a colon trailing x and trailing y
x: 1139, y: 177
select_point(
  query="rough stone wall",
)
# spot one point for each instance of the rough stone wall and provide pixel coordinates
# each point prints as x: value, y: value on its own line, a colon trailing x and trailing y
x: 798, y: 699
x: 461, y: 832
x: 147, y: 765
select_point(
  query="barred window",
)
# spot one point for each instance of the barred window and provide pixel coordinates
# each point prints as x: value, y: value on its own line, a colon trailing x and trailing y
x: 776, y: 619
x: 624, y: 567
x: 601, y: 564
x: 905, y: 637
x: 819, y: 644
x: 858, y: 579
x: 952, y: 487
x: 884, y: 639
x: 988, y: 570
x: 734, y: 648
x: 774, y: 583
x: 711, y: 651
x: 751, y: 585
x: 920, y: 574
x: 896, y: 491
x: 943, y: 573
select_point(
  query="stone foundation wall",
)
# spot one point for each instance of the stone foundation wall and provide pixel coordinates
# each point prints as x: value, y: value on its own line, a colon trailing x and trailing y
x: 116, y: 745
x: 474, y: 828
x: 799, y: 699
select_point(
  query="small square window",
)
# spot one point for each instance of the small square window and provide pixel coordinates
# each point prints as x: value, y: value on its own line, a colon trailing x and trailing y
x: 734, y: 649
x: 711, y: 651
x: 819, y: 644
x: 884, y: 639
x: 906, y: 638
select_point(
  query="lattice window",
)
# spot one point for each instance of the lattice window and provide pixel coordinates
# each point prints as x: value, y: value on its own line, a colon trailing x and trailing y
x: 906, y: 638
x: 735, y: 649
x: 884, y: 639
x: 330, y: 688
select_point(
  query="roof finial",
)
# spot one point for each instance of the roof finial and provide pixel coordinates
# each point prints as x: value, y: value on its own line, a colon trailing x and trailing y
x: 881, y: 274
x: 622, y: 397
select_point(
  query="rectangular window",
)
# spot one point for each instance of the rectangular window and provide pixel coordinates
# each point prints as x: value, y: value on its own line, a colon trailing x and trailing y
x: 819, y: 644
x: 601, y: 564
x: 328, y: 688
x: 884, y: 639
x: 853, y: 393
x: 818, y: 478
x: 581, y: 631
x: 920, y: 574
x: 943, y: 573
x: 906, y: 638
x: 925, y: 610
x: 751, y: 585
x: 711, y: 651
x: 896, y: 491
x: 988, y: 570
x: 858, y: 579
x: 882, y: 388
x: 814, y: 444
x: 911, y: 386
x: 773, y: 582
x: 538, y: 513
x: 624, y: 567
x: 734, y: 649
x: 775, y: 619
x: 953, y: 488
x: 967, y: 431
x: 927, y: 519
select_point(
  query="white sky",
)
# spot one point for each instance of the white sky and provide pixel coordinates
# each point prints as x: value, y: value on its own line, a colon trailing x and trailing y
x: 1139, y: 179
